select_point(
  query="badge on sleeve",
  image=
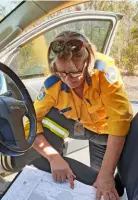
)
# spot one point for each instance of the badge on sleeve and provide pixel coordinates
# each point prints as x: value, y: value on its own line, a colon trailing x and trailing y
x: 42, y: 94
x: 111, y: 75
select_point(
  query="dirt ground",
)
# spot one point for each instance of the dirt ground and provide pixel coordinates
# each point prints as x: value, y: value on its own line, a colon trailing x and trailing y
x: 131, y: 85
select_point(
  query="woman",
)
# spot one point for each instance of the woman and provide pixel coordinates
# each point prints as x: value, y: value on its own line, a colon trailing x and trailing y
x: 84, y: 98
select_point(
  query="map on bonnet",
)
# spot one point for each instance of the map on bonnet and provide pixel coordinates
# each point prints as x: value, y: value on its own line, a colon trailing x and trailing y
x: 34, y: 184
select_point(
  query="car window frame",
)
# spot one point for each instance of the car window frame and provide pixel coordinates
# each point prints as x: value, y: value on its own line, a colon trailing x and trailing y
x: 62, y: 19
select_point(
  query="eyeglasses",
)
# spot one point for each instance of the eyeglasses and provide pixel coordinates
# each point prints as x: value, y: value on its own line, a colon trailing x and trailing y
x: 73, y: 45
x: 71, y: 74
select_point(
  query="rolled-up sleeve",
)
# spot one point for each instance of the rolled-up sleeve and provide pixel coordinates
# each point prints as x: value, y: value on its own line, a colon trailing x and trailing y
x: 117, y: 106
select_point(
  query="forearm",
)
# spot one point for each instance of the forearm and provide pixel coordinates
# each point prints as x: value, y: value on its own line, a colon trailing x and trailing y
x: 44, y: 148
x: 115, y: 146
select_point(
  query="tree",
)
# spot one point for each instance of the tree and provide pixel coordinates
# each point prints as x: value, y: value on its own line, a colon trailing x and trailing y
x: 134, y: 30
x: 130, y: 59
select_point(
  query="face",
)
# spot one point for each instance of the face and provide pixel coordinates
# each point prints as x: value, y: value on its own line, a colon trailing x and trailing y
x: 70, y: 62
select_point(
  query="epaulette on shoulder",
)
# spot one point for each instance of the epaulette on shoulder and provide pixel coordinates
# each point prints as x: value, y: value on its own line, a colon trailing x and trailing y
x: 100, y: 65
x: 51, y: 81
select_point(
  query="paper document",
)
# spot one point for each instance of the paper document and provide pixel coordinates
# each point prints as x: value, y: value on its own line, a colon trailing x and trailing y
x: 34, y: 184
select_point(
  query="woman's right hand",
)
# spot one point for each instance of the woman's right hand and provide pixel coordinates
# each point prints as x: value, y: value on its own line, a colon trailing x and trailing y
x: 61, y: 170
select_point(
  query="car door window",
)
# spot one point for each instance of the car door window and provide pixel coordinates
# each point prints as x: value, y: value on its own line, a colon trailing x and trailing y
x: 31, y: 60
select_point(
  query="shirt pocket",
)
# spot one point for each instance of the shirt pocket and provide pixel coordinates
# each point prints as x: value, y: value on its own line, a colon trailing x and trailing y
x: 94, y: 102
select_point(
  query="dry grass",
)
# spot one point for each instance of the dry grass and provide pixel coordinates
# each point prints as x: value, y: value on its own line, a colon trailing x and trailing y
x: 131, y: 85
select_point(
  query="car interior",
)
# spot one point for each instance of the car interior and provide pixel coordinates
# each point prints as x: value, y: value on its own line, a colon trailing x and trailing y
x: 20, y: 32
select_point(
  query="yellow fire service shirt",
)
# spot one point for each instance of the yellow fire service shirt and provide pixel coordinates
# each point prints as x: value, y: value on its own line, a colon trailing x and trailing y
x: 104, y: 108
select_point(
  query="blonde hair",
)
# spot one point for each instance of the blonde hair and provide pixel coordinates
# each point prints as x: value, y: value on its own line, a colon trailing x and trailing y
x: 89, y: 47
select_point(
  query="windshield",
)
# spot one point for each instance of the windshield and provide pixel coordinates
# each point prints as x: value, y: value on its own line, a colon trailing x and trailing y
x: 6, y: 7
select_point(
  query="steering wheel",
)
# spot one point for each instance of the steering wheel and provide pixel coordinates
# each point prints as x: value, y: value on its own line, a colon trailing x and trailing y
x: 12, y: 111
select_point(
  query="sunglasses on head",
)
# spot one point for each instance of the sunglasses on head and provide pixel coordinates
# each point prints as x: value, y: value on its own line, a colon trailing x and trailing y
x: 74, y: 45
